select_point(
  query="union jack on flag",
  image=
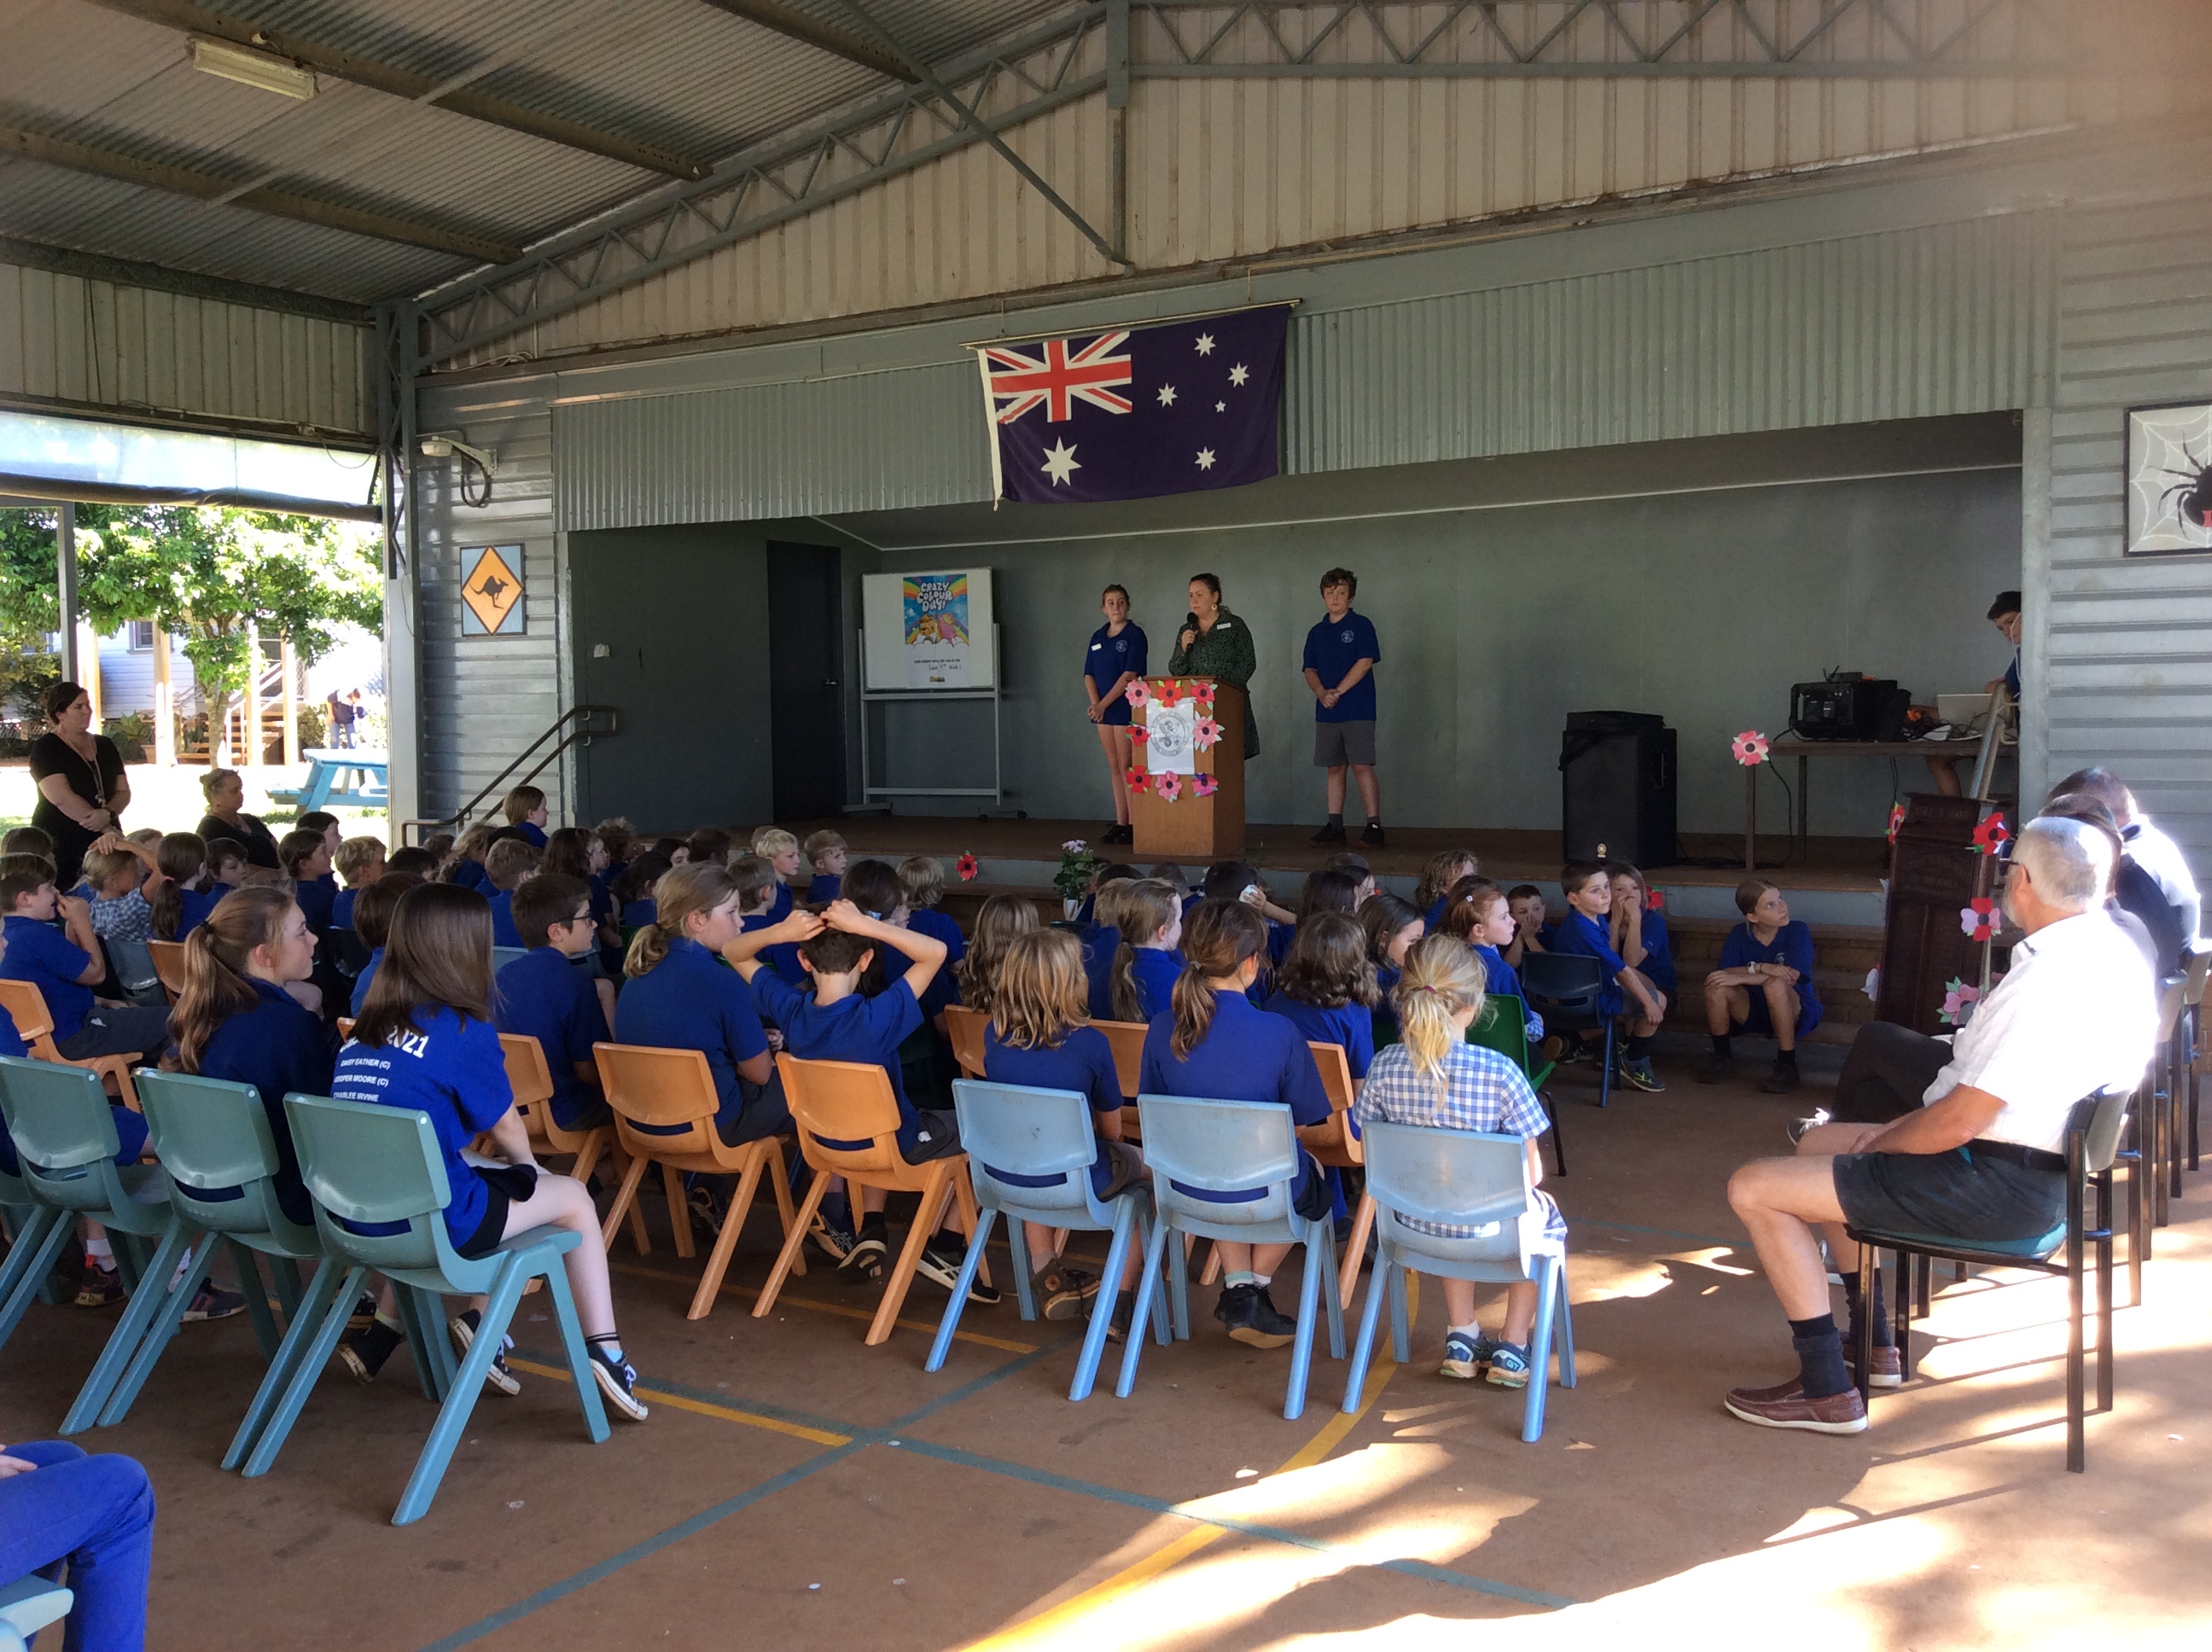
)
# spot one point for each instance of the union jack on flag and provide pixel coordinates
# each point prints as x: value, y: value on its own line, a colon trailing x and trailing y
x: 1055, y: 379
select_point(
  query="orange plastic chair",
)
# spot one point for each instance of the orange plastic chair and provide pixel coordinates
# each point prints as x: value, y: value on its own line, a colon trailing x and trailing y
x: 852, y: 1101
x: 169, y: 965
x: 966, y: 1026
x: 27, y: 1007
x: 1128, y: 1038
x: 646, y: 1085
x: 531, y: 1081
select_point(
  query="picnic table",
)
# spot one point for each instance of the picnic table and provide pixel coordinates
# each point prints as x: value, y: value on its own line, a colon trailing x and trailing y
x: 366, y: 772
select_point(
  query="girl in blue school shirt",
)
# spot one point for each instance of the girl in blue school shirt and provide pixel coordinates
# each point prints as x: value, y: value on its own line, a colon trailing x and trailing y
x: 1391, y: 927
x: 426, y: 1041
x: 1763, y: 986
x: 182, y: 897
x: 1640, y: 930
x: 1215, y: 1043
x: 1113, y: 657
x: 1327, y: 988
x: 1478, y: 913
x: 1146, y: 963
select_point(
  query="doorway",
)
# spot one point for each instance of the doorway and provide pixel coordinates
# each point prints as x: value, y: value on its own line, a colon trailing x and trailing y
x: 806, y: 671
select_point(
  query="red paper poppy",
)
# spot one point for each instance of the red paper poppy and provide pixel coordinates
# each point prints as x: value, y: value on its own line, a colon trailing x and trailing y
x: 1991, y: 834
x: 1205, y: 784
x: 1170, y: 692
x: 1654, y: 901
x: 965, y: 866
x: 1896, y: 819
x: 1138, y: 781
x: 1979, y: 919
x: 1139, y: 732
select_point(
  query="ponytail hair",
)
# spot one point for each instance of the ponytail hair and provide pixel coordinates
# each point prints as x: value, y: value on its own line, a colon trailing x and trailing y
x: 1219, y: 937
x: 1142, y: 908
x: 1444, y: 978
x: 1464, y: 906
x: 180, y: 859
x: 216, y: 986
x: 695, y: 886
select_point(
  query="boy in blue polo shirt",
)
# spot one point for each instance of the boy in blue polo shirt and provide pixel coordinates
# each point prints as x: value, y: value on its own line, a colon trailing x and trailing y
x: 837, y: 1024
x: 544, y: 996
x: 781, y: 850
x: 826, y: 852
x: 759, y: 890
x: 65, y: 964
x: 1340, y: 668
x: 1586, y: 930
x: 506, y: 863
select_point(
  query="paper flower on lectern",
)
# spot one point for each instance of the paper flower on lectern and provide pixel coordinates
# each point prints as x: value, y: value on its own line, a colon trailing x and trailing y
x: 1204, y: 734
x: 1205, y: 784
x: 1896, y: 819
x: 1958, y: 1002
x: 1139, y: 780
x: 965, y: 866
x: 1979, y: 919
x: 1139, y: 733
x: 1136, y: 694
x: 1171, y: 692
x: 1750, y: 748
x: 1992, y: 834
x: 1167, y: 788
x: 1201, y: 695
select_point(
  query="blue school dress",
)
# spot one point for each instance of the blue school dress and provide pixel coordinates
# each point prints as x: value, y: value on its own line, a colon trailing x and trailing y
x: 1578, y: 932
x: 1792, y: 946
x: 453, y: 1070
x: 278, y: 1045
x: 1084, y: 1062
x: 543, y: 996
x: 1247, y: 1055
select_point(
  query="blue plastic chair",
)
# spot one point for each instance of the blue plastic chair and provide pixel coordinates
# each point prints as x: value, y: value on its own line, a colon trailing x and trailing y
x: 1461, y: 1178
x: 31, y: 1223
x: 364, y: 1164
x: 503, y: 956
x: 1197, y: 1146
x: 1566, y: 988
x: 28, y: 1606
x: 1046, y: 1137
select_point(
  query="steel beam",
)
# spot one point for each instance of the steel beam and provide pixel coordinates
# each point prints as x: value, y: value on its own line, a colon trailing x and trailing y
x: 405, y: 83
x: 797, y: 26
x: 155, y: 277
x: 281, y: 203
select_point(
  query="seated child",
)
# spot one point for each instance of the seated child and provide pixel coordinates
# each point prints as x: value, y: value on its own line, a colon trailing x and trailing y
x: 306, y: 858
x: 417, y: 861
x: 506, y: 863
x: 1000, y: 919
x: 1354, y: 866
x: 1327, y: 989
x: 438, y: 845
x: 676, y: 850
x: 463, y: 862
x: 426, y: 1040
x: 1477, y: 912
x: 65, y: 964
x: 708, y: 843
x: 129, y: 1126
x: 525, y: 810
x: 925, y: 1056
x: 1435, y: 1078
x: 323, y: 822
x: 1764, y: 985
x: 1585, y: 929
x: 635, y: 891
x: 372, y: 922
x: 826, y: 854
x: 359, y: 861
x: 1639, y: 929
x: 1099, y: 940
x: 1214, y: 1043
x: 1532, y: 923
x: 1146, y: 964
x: 619, y: 840
x: 1391, y: 926
x: 229, y: 866
x: 757, y: 888
x: 781, y: 850
x: 1036, y: 1038
x: 1238, y: 880
x: 921, y: 878
x: 1325, y: 891
x: 27, y: 840
x: 575, y: 852
x: 184, y: 896
x: 120, y: 872
x: 1110, y: 871
x: 542, y: 995
x: 1445, y: 868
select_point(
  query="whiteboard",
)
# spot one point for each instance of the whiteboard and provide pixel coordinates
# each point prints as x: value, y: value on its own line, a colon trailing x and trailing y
x: 927, y: 632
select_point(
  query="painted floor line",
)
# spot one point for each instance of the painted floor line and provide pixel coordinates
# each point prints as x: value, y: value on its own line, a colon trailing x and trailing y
x: 786, y: 1299
x: 682, y: 1401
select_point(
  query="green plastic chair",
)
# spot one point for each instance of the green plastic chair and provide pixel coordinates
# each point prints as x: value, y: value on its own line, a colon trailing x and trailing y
x: 365, y: 1163
x: 1501, y: 1028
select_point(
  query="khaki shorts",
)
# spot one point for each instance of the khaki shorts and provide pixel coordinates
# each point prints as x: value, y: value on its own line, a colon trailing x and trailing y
x: 1339, y: 745
x: 1128, y: 1168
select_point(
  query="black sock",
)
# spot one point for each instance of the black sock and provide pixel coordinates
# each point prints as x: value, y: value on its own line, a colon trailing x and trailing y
x: 1374, y: 820
x: 1786, y: 1059
x: 872, y: 1225
x: 1820, y: 1356
x: 1639, y: 1047
x: 1337, y: 820
x: 1884, y: 1337
x: 1721, y: 1046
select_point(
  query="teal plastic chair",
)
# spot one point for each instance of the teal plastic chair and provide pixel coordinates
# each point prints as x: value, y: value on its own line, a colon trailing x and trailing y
x: 503, y: 956
x: 65, y: 1136
x: 28, y: 1606
x: 1197, y: 1146
x: 29, y: 1223
x: 1468, y: 1179
x: 1500, y: 1028
x: 364, y: 1164
x: 1030, y: 1154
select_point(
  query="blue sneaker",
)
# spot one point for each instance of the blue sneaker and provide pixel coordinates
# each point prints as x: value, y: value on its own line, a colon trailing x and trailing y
x: 1465, y: 1356
x: 1509, y: 1365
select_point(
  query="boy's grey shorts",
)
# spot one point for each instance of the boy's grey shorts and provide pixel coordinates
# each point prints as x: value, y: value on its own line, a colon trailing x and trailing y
x: 1336, y: 745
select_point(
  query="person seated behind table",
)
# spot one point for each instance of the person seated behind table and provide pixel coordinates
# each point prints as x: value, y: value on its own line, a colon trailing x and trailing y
x: 1640, y: 930
x: 119, y: 873
x: 426, y: 1040
x: 2004, y: 614
x: 826, y: 854
x: 2151, y: 852
x: 838, y: 1023
x: 1036, y: 1037
x: 1445, y: 868
x: 1326, y: 989
x: 65, y: 964
x: 542, y: 995
x: 1764, y: 985
x: 1532, y: 923
x: 1391, y: 927
x: 372, y: 923
x: 1146, y: 964
x: 506, y: 864
x: 1478, y: 913
x: 1433, y: 1078
x: 1214, y: 1043
x: 1586, y: 930
x: 1962, y: 1139
x: 1001, y: 918
x: 526, y: 809
x: 94, y: 1514
x: 182, y: 897
x: 2142, y: 904
x: 359, y: 861
x: 781, y: 850
x: 635, y: 890
x: 464, y: 861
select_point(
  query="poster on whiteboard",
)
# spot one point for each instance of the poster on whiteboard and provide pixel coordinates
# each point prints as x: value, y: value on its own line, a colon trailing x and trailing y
x: 928, y: 631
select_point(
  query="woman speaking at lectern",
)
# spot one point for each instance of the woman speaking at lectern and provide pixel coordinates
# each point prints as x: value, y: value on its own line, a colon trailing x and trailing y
x: 1215, y: 643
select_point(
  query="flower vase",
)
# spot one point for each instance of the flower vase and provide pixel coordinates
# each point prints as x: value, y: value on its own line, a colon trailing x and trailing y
x: 1070, y: 909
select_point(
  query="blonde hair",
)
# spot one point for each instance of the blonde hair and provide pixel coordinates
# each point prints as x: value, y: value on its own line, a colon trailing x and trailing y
x: 771, y: 841
x: 1002, y: 918
x: 100, y: 864
x: 1444, y: 978
x: 922, y: 876
x: 821, y: 842
x: 354, y: 857
x: 695, y: 886
x: 1142, y: 908
x: 1041, y: 991
x: 470, y: 847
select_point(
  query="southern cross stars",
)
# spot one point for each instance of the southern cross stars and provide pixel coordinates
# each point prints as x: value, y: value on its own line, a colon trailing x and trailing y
x: 1167, y: 395
x: 1239, y: 373
x: 1060, y: 463
x: 1205, y: 459
x: 1205, y: 344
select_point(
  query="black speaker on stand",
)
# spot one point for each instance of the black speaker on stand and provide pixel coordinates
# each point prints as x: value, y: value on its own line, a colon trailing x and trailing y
x: 1617, y: 785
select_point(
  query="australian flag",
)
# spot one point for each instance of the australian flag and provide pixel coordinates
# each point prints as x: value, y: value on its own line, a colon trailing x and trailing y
x: 1166, y: 409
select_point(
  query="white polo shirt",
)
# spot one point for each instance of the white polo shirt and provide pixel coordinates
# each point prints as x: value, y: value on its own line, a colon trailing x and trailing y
x: 2076, y: 1013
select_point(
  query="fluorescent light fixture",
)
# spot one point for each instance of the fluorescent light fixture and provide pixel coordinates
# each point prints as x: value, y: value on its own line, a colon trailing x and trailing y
x: 263, y: 70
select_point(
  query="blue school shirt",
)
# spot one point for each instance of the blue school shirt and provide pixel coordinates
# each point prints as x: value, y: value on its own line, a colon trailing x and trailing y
x: 1105, y: 657
x: 1580, y: 933
x: 42, y: 954
x: 278, y: 1046
x: 1352, y: 1026
x: 781, y: 907
x: 1155, y: 970
x: 453, y: 1070
x: 822, y: 887
x: 638, y: 914
x: 542, y: 996
x: 853, y: 1029
x: 1247, y: 1055
x: 342, y: 909
x: 782, y: 958
x: 1434, y: 916
x: 503, y: 931
x: 1499, y: 981
x: 1333, y: 647
x: 318, y: 899
x: 1792, y: 946
x: 691, y: 1000
x: 361, y: 982
x: 1100, y: 943
x: 1085, y: 1064
x: 193, y: 906
x: 945, y: 988
x: 470, y: 874
x: 533, y: 834
x: 1658, y: 965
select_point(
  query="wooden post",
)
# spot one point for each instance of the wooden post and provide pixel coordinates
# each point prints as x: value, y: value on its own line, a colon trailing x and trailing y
x: 291, y: 704
x: 164, y: 703
x: 250, y: 724
x: 1751, y: 817
x: 88, y: 662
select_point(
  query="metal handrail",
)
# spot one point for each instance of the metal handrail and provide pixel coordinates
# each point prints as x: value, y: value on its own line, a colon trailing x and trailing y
x: 585, y: 727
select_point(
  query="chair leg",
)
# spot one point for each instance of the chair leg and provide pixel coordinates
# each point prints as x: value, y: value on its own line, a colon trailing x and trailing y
x: 328, y: 1326
x: 1309, y: 1294
x: 791, y: 1240
x: 1102, y: 1312
x: 2076, y: 1446
x: 1018, y: 1243
x: 1869, y: 1271
x: 1212, y: 1273
x: 1540, y: 1344
x: 679, y: 1211
x: 726, y: 1242
x: 571, y: 1328
x: 963, y: 1200
x: 1402, y: 1316
x: 1362, y: 1345
x: 305, y: 1323
x: 461, y: 1399
x: 1148, y: 1285
x: 120, y: 1398
x: 421, y: 1352
x: 1327, y: 1271
x: 1565, y: 1322
x: 2105, y: 1291
x: 1605, y: 1073
x: 146, y: 1303
x: 1558, y: 1141
x: 284, y: 1274
x: 256, y: 1298
x: 936, y: 1188
x: 1179, y: 1294
x: 784, y: 1214
x: 33, y: 1226
x: 28, y: 1283
x: 1900, y: 1314
x: 951, y: 1323
x: 626, y: 1199
x: 588, y: 1156
x: 1355, y: 1250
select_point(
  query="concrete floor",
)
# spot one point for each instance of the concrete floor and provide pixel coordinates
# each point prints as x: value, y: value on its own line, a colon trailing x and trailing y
x: 978, y: 1508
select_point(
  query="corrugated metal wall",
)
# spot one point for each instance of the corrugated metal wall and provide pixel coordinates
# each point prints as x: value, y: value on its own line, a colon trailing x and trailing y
x: 67, y: 338
x: 2127, y: 642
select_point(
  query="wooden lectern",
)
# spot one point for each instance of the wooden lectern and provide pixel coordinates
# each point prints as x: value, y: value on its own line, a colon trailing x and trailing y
x: 1191, y: 827
x: 1933, y: 872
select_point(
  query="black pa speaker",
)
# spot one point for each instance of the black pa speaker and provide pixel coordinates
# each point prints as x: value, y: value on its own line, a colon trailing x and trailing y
x: 1617, y: 785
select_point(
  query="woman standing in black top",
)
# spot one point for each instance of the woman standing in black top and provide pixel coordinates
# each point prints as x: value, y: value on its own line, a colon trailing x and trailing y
x: 227, y: 817
x: 83, y: 791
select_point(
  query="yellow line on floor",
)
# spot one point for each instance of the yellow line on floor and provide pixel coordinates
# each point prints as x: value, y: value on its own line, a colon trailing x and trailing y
x: 728, y: 1413
x: 1048, y: 1625
x: 787, y: 1300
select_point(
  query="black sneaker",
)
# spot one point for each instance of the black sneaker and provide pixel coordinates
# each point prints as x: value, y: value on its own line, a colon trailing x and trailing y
x: 832, y: 1240
x: 1716, y: 1070
x: 363, y: 1314
x: 1125, y: 1312
x: 1327, y: 834
x: 707, y: 1206
x: 1640, y: 1073
x: 1797, y: 1127
x: 1575, y: 1051
x: 942, y: 1267
x: 212, y: 1302
x: 499, y: 1379
x: 1372, y: 837
x: 617, y: 1381
x: 363, y: 1356
x: 1782, y: 1080
x: 864, y: 1260
x: 1252, y: 1318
